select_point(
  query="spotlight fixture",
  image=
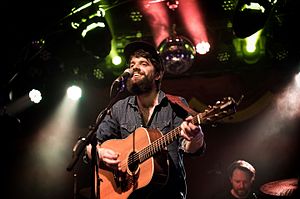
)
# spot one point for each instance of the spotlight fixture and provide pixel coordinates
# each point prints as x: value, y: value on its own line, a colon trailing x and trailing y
x: 35, y: 96
x: 74, y: 92
x: 173, y: 4
x: 251, y: 48
x: 202, y: 47
x: 250, y: 16
x: 96, y: 36
x: 98, y: 74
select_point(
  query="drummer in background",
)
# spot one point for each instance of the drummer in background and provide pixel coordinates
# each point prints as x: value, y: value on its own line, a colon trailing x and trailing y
x: 241, y: 176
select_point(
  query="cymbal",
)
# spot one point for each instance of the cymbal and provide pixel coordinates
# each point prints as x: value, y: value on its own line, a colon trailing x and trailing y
x: 285, y: 187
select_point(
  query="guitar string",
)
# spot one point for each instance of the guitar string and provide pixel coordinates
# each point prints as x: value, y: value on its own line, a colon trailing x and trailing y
x: 152, y: 148
x: 144, y: 153
x: 155, y: 146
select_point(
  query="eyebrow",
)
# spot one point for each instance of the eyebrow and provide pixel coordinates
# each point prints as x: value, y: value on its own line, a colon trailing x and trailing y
x: 141, y: 61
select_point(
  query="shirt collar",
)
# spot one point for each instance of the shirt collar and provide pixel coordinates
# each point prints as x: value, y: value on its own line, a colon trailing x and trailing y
x: 161, y: 96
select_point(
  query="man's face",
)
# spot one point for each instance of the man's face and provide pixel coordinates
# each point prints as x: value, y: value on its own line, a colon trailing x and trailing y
x: 144, y: 76
x: 241, y: 183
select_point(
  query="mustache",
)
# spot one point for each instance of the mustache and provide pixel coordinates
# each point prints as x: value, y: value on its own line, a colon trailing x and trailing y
x: 137, y: 71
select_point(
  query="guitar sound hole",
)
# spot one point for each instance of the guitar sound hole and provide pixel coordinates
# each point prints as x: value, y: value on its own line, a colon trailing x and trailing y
x: 133, y: 162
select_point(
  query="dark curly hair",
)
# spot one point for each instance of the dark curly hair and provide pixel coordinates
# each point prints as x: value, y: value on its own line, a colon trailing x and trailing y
x: 159, y: 68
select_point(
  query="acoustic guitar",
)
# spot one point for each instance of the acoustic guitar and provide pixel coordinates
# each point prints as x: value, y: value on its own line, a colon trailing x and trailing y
x: 144, y: 158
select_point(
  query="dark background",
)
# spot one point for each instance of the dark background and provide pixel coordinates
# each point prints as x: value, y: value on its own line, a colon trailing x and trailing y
x: 37, y: 148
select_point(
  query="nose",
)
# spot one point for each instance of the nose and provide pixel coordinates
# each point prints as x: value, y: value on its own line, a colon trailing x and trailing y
x: 135, y: 67
x: 242, y: 185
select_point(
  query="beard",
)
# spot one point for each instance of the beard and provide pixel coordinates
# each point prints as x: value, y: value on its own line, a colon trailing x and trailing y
x: 242, y: 192
x: 141, y: 86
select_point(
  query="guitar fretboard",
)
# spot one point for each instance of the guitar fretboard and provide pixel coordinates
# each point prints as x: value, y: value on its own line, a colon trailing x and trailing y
x: 163, y: 141
x: 158, y: 145
x: 216, y: 112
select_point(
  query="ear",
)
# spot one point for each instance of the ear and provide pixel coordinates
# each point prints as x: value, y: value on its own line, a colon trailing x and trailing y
x: 158, y: 75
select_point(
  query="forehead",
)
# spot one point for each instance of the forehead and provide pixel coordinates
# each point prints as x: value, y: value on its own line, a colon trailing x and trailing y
x: 139, y: 59
x: 240, y: 174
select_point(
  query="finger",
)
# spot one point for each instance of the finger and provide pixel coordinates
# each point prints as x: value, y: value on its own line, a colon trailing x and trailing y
x: 110, y: 157
x: 111, y: 161
x: 112, y: 154
x: 184, y: 125
x: 185, y: 135
x: 195, y: 129
x: 105, y: 154
x: 189, y: 119
x: 184, y: 128
x: 182, y: 134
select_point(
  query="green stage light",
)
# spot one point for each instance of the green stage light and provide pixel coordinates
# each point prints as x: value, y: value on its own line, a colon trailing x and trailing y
x: 250, y: 16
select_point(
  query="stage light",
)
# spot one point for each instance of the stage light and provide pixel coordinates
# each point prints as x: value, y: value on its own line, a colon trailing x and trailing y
x: 250, y: 16
x: 116, y: 60
x: 173, y: 4
x: 223, y: 57
x: 98, y: 74
x: 250, y: 49
x: 22, y: 103
x: 202, y: 47
x: 136, y: 16
x: 96, y: 36
x: 228, y: 5
x: 35, y: 96
x: 178, y: 54
x: 91, y: 25
x: 74, y: 92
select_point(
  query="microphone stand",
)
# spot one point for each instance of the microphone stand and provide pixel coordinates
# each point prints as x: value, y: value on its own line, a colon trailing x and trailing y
x: 90, y: 138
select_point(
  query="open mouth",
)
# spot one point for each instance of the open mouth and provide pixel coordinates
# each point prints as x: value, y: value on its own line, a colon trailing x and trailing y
x: 136, y: 75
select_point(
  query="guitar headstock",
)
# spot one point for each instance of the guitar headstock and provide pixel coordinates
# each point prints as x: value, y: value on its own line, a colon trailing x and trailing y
x: 220, y: 110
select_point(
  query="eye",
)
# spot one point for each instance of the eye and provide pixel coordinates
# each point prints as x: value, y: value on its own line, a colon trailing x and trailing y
x: 131, y: 65
x: 144, y: 63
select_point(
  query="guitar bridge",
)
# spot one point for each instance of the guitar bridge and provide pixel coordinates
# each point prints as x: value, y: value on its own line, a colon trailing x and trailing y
x: 125, y: 181
x: 117, y: 178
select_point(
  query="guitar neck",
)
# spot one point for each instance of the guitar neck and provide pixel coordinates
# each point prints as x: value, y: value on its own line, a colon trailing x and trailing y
x: 220, y: 110
x: 164, y: 141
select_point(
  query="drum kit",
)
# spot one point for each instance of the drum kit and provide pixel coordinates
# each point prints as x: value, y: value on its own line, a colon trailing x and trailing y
x: 281, y: 188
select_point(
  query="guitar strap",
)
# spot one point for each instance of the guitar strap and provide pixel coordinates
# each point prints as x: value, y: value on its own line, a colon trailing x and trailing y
x: 176, y: 100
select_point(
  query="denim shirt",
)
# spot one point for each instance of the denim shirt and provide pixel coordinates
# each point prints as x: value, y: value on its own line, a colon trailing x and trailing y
x: 124, y: 118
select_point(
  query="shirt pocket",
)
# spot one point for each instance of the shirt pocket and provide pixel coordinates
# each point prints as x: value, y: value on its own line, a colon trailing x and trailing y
x: 164, y: 126
x: 127, y: 128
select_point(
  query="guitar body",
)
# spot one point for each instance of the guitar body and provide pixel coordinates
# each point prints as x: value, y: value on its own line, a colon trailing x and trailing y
x: 154, y: 170
x: 144, y: 160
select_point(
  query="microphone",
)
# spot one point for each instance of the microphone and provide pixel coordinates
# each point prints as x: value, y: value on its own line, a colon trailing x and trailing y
x: 125, y: 75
